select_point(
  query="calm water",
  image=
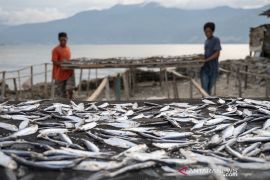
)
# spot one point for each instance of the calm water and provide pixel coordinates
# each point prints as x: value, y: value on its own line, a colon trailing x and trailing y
x: 17, y: 56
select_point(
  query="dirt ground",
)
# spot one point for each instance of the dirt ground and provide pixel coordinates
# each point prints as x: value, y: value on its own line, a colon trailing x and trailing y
x: 153, y: 90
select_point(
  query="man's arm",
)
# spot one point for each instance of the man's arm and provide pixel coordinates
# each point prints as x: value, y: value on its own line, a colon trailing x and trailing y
x: 55, y: 58
x: 214, y: 56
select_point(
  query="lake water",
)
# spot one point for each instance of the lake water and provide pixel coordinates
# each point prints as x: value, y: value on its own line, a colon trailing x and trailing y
x: 13, y: 57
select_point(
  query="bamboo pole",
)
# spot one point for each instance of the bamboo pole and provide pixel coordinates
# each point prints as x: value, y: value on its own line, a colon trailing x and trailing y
x: 3, y: 88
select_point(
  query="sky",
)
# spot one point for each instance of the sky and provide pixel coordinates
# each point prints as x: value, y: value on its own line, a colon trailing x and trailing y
x: 13, y: 12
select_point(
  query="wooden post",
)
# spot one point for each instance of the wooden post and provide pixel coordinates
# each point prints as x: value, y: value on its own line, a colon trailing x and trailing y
x: 46, y: 81
x: 190, y: 88
x: 246, y: 76
x: 167, y: 84
x: 228, y: 78
x: 15, y: 88
x: 134, y: 80
x: 126, y: 88
x: 19, y: 83
x: 3, y: 88
x: 52, y: 88
x: 32, y: 80
x: 267, y: 87
x: 117, y: 88
x: 96, y: 78
x: 215, y: 88
x: 175, y: 90
x: 88, y: 81
x: 80, y: 82
x: 239, y: 83
x: 160, y: 77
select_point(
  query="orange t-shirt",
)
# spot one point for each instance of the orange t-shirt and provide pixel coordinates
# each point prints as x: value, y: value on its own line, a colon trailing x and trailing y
x: 61, y: 54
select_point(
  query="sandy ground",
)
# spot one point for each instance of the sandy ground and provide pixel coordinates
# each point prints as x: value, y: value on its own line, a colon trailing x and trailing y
x: 152, y: 90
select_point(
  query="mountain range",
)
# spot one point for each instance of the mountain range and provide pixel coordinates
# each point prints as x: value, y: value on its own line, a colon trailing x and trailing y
x: 139, y: 24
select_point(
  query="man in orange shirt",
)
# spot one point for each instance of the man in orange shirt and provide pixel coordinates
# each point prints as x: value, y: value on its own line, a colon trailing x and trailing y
x: 64, y: 79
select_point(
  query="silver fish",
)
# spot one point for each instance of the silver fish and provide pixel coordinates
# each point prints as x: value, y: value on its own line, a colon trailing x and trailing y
x: 228, y: 132
x: 91, y: 165
x: 251, y: 147
x: 90, y: 146
x: 26, y: 131
x: 9, y: 127
x: 87, y: 126
x: 7, y: 162
x: 46, y: 132
x: 24, y: 124
x: 266, y: 124
x: 65, y: 138
x: 117, y: 142
x: 239, y: 129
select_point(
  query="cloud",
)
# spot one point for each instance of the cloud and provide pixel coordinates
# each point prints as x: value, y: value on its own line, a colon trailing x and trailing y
x: 29, y: 15
x: 28, y: 11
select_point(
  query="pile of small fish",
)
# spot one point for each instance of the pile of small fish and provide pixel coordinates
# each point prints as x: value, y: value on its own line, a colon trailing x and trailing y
x: 112, y: 139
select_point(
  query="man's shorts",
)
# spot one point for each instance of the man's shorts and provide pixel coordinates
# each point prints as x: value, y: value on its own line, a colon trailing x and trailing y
x: 62, y: 86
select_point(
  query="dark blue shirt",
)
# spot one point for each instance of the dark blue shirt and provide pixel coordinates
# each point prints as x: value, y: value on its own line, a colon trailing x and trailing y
x: 211, y: 46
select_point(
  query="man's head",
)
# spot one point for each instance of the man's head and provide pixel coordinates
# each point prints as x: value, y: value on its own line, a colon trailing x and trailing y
x: 209, y: 29
x: 62, y: 37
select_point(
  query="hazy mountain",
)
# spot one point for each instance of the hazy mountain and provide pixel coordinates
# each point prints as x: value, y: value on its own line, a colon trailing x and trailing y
x: 149, y: 23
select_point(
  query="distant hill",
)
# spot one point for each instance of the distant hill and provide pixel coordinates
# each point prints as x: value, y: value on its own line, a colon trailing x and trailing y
x: 132, y: 24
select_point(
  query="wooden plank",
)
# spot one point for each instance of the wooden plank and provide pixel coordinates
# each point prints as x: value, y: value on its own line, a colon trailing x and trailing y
x: 99, y: 90
x: 126, y: 86
x: 3, y: 88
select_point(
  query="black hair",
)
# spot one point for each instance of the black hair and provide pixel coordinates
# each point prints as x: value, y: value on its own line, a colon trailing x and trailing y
x: 210, y: 25
x: 62, y: 34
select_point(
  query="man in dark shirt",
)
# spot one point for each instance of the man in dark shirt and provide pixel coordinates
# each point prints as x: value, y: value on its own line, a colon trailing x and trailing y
x: 212, y: 48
